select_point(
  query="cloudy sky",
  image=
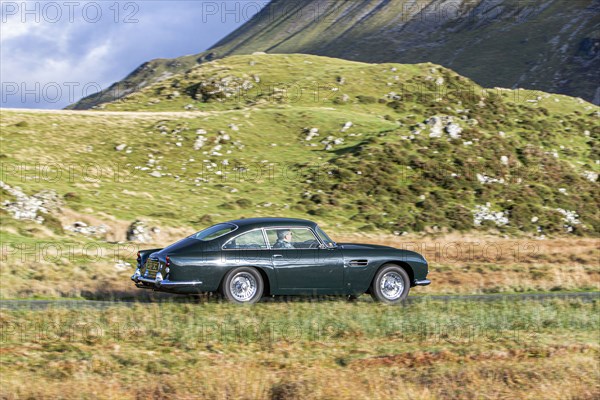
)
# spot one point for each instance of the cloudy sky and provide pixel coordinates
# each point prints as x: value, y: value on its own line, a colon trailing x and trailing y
x: 54, y: 52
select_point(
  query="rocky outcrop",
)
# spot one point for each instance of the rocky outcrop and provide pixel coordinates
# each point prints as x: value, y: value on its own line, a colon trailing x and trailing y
x: 139, y: 231
x: 82, y: 228
x: 30, y: 207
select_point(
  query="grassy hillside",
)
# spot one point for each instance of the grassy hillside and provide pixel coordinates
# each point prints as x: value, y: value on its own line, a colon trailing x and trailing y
x: 406, y: 148
x: 551, y: 46
x: 384, y: 149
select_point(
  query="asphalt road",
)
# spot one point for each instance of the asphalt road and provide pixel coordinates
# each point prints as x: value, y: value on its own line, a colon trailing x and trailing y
x: 76, y: 304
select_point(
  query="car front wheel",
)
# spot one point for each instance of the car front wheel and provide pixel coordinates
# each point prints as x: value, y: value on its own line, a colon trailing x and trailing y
x: 243, y: 285
x: 390, y: 285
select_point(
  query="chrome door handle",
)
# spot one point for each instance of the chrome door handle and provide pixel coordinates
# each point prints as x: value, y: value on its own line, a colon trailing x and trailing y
x: 277, y: 256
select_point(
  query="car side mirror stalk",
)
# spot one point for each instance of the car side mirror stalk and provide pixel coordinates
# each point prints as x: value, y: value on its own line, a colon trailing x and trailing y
x: 324, y: 246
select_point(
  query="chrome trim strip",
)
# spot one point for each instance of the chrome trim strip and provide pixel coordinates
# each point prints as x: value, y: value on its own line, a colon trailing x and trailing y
x: 236, y: 227
x: 166, y: 282
x: 266, y: 238
x: 169, y: 283
x: 145, y: 280
x: 265, y: 228
x: 423, y: 282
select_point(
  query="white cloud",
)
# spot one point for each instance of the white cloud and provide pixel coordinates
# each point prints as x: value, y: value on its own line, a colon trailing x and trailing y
x: 45, y: 53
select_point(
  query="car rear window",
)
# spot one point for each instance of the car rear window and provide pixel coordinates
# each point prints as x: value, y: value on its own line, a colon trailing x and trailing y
x: 214, y: 232
x: 249, y: 240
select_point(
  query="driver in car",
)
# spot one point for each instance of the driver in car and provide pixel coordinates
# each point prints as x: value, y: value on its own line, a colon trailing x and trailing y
x: 284, y: 237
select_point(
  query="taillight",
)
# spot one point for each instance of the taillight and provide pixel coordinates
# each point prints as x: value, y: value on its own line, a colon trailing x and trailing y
x: 168, y: 264
x: 139, y: 259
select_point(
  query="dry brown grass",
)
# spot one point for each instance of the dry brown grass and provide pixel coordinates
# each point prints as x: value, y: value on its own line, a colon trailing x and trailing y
x: 516, y: 350
x: 563, y: 373
x: 458, y: 264
x: 471, y: 248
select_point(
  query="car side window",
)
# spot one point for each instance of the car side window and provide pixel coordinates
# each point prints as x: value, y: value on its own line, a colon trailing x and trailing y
x: 292, y: 238
x: 250, y: 240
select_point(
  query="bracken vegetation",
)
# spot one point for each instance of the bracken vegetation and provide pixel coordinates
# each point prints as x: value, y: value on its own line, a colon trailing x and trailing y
x: 429, y: 350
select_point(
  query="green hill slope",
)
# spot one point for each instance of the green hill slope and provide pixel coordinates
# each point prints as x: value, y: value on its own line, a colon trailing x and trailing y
x: 552, y: 46
x: 386, y: 147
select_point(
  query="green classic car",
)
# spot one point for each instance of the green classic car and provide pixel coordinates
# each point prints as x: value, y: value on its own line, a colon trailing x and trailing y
x: 247, y: 259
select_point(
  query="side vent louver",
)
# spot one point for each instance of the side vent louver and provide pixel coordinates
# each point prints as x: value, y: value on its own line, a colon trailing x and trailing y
x: 358, y: 263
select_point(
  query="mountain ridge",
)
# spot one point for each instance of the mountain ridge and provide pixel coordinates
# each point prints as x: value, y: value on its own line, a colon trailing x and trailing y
x: 552, y: 46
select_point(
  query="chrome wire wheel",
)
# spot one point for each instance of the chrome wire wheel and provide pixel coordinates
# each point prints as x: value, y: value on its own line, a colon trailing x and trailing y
x: 243, y: 286
x: 391, y: 285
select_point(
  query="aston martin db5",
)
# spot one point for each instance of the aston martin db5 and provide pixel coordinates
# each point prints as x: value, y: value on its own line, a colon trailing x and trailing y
x: 247, y: 259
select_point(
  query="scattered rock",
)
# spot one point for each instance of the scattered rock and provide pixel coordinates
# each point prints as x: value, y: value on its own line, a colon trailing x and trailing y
x: 139, y: 232
x: 440, y: 124
x: 30, y: 207
x: 311, y: 133
x: 484, y: 213
x: 570, y: 219
x: 120, y: 147
x: 121, y: 265
x: 436, y: 127
x: 83, y: 229
x: 454, y: 130
x: 200, y: 142
x: 220, y: 89
x: 590, y: 176
x: 484, y: 179
x: 331, y: 141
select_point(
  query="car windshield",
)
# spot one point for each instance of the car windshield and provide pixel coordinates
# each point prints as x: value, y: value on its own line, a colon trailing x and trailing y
x: 326, y: 239
x: 214, y: 232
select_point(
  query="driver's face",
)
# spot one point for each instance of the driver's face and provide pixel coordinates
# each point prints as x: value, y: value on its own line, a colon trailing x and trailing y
x: 288, y: 236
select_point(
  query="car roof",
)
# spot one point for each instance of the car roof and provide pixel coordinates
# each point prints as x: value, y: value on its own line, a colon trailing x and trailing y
x: 268, y: 222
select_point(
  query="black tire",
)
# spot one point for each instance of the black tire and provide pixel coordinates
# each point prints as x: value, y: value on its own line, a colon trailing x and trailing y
x: 243, y: 285
x: 394, y: 294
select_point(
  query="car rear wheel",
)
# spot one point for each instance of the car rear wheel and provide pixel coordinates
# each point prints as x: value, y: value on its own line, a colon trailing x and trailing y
x: 390, y: 285
x: 243, y: 285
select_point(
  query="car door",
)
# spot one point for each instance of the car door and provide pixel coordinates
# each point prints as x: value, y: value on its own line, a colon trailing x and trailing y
x: 301, y: 266
x: 247, y: 249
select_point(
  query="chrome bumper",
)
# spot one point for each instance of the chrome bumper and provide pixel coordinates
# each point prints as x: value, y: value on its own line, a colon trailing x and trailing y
x: 423, y: 282
x: 159, y: 282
